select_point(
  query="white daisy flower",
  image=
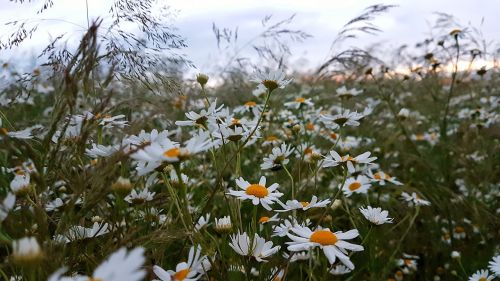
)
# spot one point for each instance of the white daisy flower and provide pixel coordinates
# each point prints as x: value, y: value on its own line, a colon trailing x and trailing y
x: 278, y: 158
x: 99, y: 150
x: 77, y: 232
x: 26, y: 250
x: 258, y: 248
x: 265, y: 219
x: 375, y: 215
x: 202, y: 221
x: 139, y: 197
x: 360, y: 184
x: 340, y: 269
x: 298, y: 102
x: 271, y: 140
x: 20, y: 184
x: 152, y: 156
x: 271, y: 80
x: 193, y: 270
x: 298, y: 256
x: 258, y: 192
x: 223, y: 224
x: 494, y: 265
x: 334, y: 159
x: 481, y: 275
x: 343, y: 92
x: 304, y: 205
x: 122, y: 265
x: 332, y: 244
x: 414, y: 199
x: 200, y: 119
x: 381, y: 178
x: 346, y: 118
x: 54, y: 205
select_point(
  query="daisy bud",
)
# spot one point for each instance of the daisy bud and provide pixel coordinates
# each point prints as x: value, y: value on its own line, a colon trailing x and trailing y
x: 455, y: 255
x: 122, y: 186
x: 202, y: 79
x: 96, y: 219
x: 26, y: 251
x: 223, y: 225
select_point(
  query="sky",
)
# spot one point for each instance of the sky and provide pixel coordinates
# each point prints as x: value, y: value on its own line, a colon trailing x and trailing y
x: 409, y: 22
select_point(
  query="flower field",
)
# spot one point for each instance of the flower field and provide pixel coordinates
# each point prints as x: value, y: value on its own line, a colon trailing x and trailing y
x: 268, y: 174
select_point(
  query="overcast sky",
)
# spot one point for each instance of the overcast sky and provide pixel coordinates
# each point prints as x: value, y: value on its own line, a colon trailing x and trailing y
x: 406, y: 23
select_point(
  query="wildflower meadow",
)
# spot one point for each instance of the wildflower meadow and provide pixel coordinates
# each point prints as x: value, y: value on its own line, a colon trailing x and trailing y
x: 117, y: 164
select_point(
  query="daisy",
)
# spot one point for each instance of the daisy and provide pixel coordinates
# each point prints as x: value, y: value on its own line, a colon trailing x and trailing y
x: 152, y: 156
x: 347, y: 118
x: 202, y: 221
x: 298, y: 102
x: 304, y: 205
x: 481, y: 275
x: 343, y: 92
x: 7, y: 204
x: 381, y: 178
x: 26, y: 250
x: 298, y: 256
x: 360, y: 184
x: 54, y: 205
x: 193, y: 270
x: 223, y: 224
x: 340, y: 269
x: 271, y: 80
x: 265, y: 219
x: 199, y: 119
x: 494, y: 265
x: 278, y: 158
x: 375, y: 215
x: 282, y: 229
x: 20, y: 184
x: 139, y: 197
x: 258, y: 248
x: 99, y: 150
x: 271, y: 140
x: 332, y: 244
x: 122, y: 265
x: 334, y: 159
x: 414, y: 199
x: 77, y: 232
x: 257, y: 192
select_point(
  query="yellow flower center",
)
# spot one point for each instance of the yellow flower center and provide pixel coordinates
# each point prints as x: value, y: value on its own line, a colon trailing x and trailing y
x: 310, y: 126
x: 172, y: 153
x: 263, y: 219
x: 308, y: 150
x: 333, y: 136
x: 3, y: 131
x: 482, y: 279
x: 323, y: 237
x: 348, y: 158
x: 181, y: 275
x: 250, y: 103
x: 355, y: 185
x: 377, y: 176
x: 304, y: 204
x: 270, y: 84
x: 459, y: 229
x: 271, y: 138
x: 407, y: 262
x: 300, y: 100
x: 95, y: 279
x: 257, y: 190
